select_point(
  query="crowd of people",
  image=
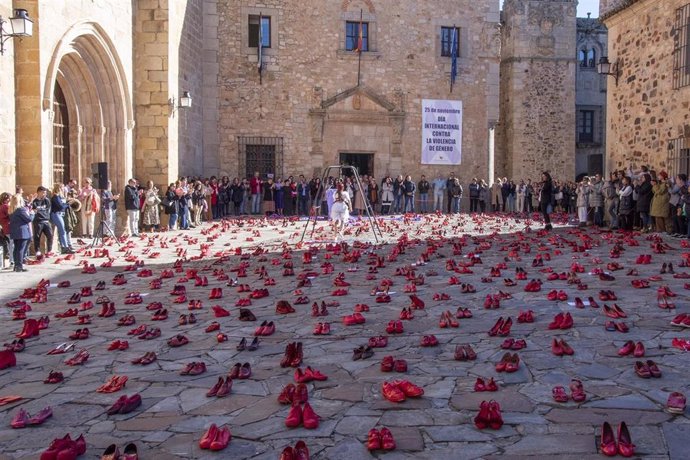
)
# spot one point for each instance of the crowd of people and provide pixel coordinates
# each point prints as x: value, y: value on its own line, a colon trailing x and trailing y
x: 627, y: 200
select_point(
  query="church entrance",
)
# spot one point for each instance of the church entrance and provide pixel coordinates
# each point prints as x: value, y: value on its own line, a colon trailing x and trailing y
x: 364, y: 162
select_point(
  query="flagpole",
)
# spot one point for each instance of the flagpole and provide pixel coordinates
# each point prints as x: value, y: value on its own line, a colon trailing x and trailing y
x: 453, y: 52
x: 261, y: 42
x: 359, y: 49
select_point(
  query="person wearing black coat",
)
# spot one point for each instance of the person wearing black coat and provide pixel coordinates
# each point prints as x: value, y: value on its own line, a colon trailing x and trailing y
x: 41, y: 222
x: 132, y: 205
x: 545, y: 198
x: 20, y: 231
x: 236, y: 195
x: 474, y: 195
x: 644, y: 199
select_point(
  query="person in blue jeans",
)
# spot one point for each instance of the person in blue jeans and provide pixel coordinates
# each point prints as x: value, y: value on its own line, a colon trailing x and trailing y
x: 58, y: 205
x: 21, y: 217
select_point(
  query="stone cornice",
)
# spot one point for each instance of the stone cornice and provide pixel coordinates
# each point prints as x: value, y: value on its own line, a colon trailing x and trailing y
x: 616, y: 8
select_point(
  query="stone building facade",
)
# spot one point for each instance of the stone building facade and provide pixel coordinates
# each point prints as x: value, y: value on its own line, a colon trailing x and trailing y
x: 537, y: 97
x: 590, y: 98
x: 100, y: 81
x: 307, y: 110
x: 649, y: 98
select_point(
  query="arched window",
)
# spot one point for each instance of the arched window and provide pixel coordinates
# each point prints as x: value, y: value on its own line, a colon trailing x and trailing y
x: 591, y: 58
x: 582, y: 57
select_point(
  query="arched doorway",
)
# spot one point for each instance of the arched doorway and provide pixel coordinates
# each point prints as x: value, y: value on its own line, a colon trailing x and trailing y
x: 88, y: 95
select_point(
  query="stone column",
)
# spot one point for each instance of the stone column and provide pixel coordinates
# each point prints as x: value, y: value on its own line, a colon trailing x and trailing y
x: 31, y: 169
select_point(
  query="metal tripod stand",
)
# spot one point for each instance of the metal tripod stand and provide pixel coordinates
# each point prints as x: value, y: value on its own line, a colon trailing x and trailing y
x: 316, y: 206
x: 103, y: 229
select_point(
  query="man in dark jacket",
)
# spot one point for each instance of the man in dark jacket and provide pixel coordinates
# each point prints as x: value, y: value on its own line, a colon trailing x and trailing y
x: 474, y: 195
x: 449, y: 184
x: 423, y: 188
x: 41, y: 206
x: 132, y: 205
x: 20, y: 234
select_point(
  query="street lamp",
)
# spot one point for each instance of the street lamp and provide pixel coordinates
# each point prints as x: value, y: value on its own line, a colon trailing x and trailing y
x: 22, y: 26
x: 607, y: 68
x: 184, y: 102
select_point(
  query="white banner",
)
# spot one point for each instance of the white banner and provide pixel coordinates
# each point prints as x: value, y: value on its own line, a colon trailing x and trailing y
x: 441, y: 132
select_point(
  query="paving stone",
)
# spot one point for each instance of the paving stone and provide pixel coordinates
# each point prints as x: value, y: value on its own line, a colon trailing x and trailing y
x: 347, y: 449
x: 625, y: 402
x: 676, y: 437
x: 553, y: 444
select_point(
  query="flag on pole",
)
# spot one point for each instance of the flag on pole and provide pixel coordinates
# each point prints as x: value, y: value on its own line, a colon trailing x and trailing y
x: 360, y: 37
x: 260, y: 46
x: 453, y: 57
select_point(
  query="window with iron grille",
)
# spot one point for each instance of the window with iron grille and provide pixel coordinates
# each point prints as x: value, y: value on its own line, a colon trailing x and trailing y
x: 681, y: 50
x: 262, y: 154
x: 678, y: 160
x: 253, y: 31
x: 447, y: 41
x: 61, y: 156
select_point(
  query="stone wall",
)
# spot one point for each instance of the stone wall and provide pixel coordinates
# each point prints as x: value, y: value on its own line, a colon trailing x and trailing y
x: 537, y: 132
x: 645, y: 113
x: 7, y: 120
x: 308, y: 66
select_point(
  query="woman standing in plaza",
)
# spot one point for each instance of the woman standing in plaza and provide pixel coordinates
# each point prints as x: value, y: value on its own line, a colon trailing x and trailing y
x: 373, y: 193
x: 644, y: 199
x: 386, y: 196
x: 21, y: 217
x: 58, y: 205
x: 151, y: 219
x: 625, y: 205
x: 269, y: 202
x: 90, y: 206
x: 340, y: 211
x: 660, y: 202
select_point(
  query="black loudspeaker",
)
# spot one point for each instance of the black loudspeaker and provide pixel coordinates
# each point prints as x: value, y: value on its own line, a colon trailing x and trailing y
x: 99, y: 173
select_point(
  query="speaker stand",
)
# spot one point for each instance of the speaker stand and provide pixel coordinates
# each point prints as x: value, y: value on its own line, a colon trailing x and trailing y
x: 103, y: 229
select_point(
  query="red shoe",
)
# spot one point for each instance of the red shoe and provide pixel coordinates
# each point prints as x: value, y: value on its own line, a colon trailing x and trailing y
x: 409, y: 389
x: 387, y: 441
x: 625, y: 446
x: 374, y: 439
x: 208, y: 437
x: 577, y: 391
x: 495, y: 418
x: 556, y: 347
x: 627, y: 348
x: 221, y: 440
x: 559, y: 394
x: 608, y: 444
x: 310, y: 420
x: 392, y: 392
x: 639, y: 350
x: 294, y: 418
x: 481, y: 420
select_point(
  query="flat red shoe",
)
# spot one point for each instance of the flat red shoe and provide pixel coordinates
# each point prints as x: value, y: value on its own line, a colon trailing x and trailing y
x: 559, y: 394
x: 294, y: 418
x: 374, y: 439
x: 310, y: 420
x: 392, y: 392
x: 387, y: 441
x: 627, y: 348
x: 409, y: 389
x: 481, y: 420
x: 208, y: 437
x: 221, y: 440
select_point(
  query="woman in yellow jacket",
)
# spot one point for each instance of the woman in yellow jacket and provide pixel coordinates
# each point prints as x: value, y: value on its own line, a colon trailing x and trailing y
x: 660, y: 199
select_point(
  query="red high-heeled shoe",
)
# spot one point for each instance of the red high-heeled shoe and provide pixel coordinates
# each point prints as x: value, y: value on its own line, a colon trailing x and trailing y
x: 208, y: 437
x: 481, y: 420
x: 625, y: 446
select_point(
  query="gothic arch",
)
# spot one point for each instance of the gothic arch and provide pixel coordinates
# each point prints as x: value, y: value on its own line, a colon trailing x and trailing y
x: 370, y: 6
x: 90, y: 74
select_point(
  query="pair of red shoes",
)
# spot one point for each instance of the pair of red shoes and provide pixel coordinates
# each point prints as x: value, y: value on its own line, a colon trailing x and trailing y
x: 221, y: 388
x: 562, y: 321
x: 384, y: 298
x: 355, y: 318
x: 193, y: 368
x: 440, y: 296
x: 80, y: 334
x: 557, y: 295
x: 525, y: 316
x: 183, y: 320
x: 293, y: 355
x: 7, y: 359
x: 31, y: 329
x: 116, y: 383
x: 265, y: 329
x: 379, y: 341
x: 178, y: 341
x: 315, y: 312
x: 614, y: 312
x: 308, y: 375
x: 258, y: 293
x: 428, y: 341
x: 145, y: 359
x: 380, y: 439
x: 389, y: 364
x: 359, y: 308
x: 120, y: 345
x: 299, y: 452
x: 561, y: 347
x: 406, y: 314
x: 78, y: 359
x: 108, y: 309
x: 647, y: 369
x: 240, y: 371
x: 113, y: 453
x: 216, y: 293
x: 322, y: 329
x: 492, y: 301
x: 610, y: 447
x: 54, y: 377
x: 577, y: 392
x: 416, y: 303
x: 502, y: 327
x: 220, y: 312
x: 302, y: 415
x: 447, y: 319
x: 293, y: 393
x: 17, y: 345
x: 65, y: 448
x: 508, y: 363
x: 512, y: 344
x: 23, y: 419
x: 215, y: 438
x: 395, y: 327
x: 399, y: 390
x: 283, y: 307
x: 160, y: 315
x: 480, y: 385
x: 533, y: 286
x: 489, y: 416
x: 630, y: 347
x: 464, y: 352
x: 607, y: 295
x: 682, y: 320
x: 125, y: 404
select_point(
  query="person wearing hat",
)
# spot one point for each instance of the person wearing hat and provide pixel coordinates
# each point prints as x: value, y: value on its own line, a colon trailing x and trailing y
x: 41, y: 221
